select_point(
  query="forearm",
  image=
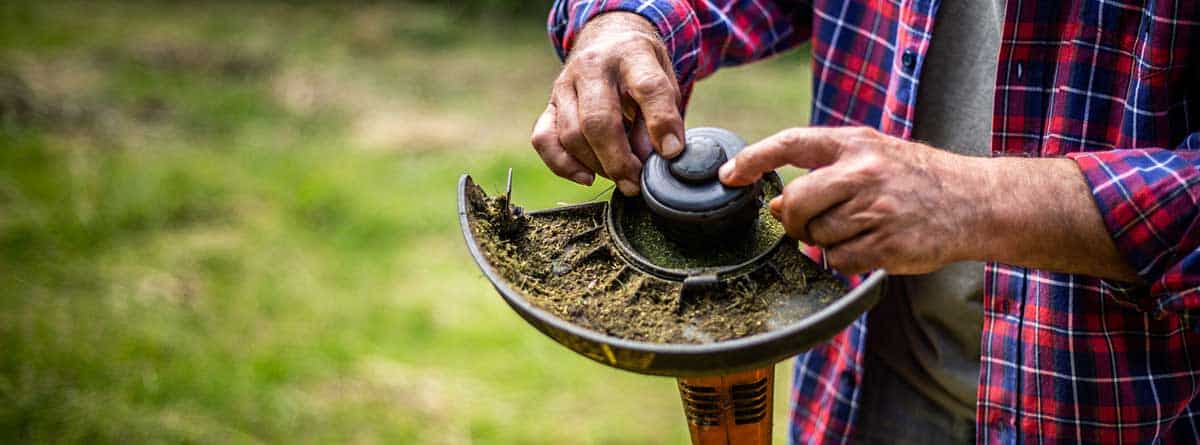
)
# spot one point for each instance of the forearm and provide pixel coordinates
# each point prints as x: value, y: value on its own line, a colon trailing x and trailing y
x: 1039, y: 213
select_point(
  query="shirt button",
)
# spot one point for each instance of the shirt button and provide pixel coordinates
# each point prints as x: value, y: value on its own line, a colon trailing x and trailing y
x: 909, y: 59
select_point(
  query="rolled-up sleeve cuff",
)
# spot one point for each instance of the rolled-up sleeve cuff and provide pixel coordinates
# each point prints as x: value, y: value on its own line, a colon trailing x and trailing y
x: 675, y: 19
x: 1148, y: 199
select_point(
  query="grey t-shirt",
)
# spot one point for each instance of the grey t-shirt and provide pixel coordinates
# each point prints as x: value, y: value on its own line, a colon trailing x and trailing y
x: 927, y: 328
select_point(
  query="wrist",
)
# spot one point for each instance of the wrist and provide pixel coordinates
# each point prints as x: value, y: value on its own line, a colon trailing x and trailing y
x: 1019, y: 201
x: 615, y: 22
x: 972, y: 187
x: 1039, y: 213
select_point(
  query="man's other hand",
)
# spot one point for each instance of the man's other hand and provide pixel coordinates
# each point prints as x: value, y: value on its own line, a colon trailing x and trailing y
x: 872, y: 200
x: 617, y: 76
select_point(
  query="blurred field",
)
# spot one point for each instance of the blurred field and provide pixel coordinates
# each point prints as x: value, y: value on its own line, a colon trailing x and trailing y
x: 235, y: 223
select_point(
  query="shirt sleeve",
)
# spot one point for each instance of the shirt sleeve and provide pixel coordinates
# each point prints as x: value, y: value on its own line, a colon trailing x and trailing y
x: 1150, y: 202
x: 700, y: 35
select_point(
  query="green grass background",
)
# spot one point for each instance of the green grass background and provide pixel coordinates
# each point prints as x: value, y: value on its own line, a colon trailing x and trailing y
x: 235, y: 223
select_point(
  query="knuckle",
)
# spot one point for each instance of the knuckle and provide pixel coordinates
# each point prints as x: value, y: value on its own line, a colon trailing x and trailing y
x: 884, y: 205
x: 538, y: 144
x: 589, y: 57
x: 859, y: 139
x: 799, y: 232
x: 561, y: 83
x: 572, y: 136
x: 747, y: 159
x: 794, y: 231
x: 860, y: 131
x: 650, y: 84
x: 596, y: 123
x: 660, y: 121
x: 791, y: 136
x: 566, y: 125
x: 819, y: 231
x: 842, y: 144
x: 632, y: 173
x: 867, y: 218
x: 790, y: 198
x: 628, y: 165
x: 848, y: 139
x: 795, y: 205
x: 618, y: 172
x: 541, y: 139
x: 788, y: 216
x: 854, y: 136
x: 869, y: 167
x: 565, y: 116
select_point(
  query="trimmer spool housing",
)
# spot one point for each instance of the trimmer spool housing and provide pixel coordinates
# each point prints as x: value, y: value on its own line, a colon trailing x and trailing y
x: 726, y: 387
x: 689, y: 204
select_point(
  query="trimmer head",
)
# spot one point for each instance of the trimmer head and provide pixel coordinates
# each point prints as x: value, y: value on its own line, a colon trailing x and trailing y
x: 688, y: 202
x: 796, y: 321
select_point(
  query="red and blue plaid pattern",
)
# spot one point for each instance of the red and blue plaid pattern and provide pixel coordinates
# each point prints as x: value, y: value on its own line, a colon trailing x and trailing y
x: 1113, y: 85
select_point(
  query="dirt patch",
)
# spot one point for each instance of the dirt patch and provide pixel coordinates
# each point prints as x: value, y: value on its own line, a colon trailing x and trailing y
x: 563, y: 262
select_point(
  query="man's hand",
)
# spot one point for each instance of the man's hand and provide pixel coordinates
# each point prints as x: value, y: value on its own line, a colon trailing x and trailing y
x: 876, y: 201
x: 873, y: 201
x: 617, y: 75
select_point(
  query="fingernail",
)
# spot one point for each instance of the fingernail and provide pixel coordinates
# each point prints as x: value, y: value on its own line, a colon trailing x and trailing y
x: 727, y: 170
x: 584, y: 178
x: 671, y: 147
x: 776, y: 204
x: 627, y: 187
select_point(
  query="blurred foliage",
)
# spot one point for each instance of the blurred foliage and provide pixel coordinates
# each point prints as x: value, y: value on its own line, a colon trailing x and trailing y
x: 523, y: 9
x: 235, y: 223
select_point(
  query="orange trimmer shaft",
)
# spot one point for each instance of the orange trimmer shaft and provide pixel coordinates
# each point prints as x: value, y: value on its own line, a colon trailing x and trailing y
x: 731, y: 408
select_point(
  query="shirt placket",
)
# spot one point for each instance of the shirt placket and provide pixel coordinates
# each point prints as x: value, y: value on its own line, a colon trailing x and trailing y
x: 999, y: 384
x: 912, y: 45
x: 1021, y: 81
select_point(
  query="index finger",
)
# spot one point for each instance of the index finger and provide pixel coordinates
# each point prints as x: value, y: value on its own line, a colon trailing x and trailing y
x: 810, y: 147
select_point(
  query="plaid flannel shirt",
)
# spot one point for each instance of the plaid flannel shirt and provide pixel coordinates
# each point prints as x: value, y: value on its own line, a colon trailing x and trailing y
x: 1113, y: 85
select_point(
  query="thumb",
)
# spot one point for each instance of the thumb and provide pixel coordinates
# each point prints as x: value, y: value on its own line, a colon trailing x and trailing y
x: 809, y: 147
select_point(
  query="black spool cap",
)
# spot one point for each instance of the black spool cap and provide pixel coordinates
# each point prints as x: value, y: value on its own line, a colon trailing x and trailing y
x: 688, y: 201
x: 699, y: 162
